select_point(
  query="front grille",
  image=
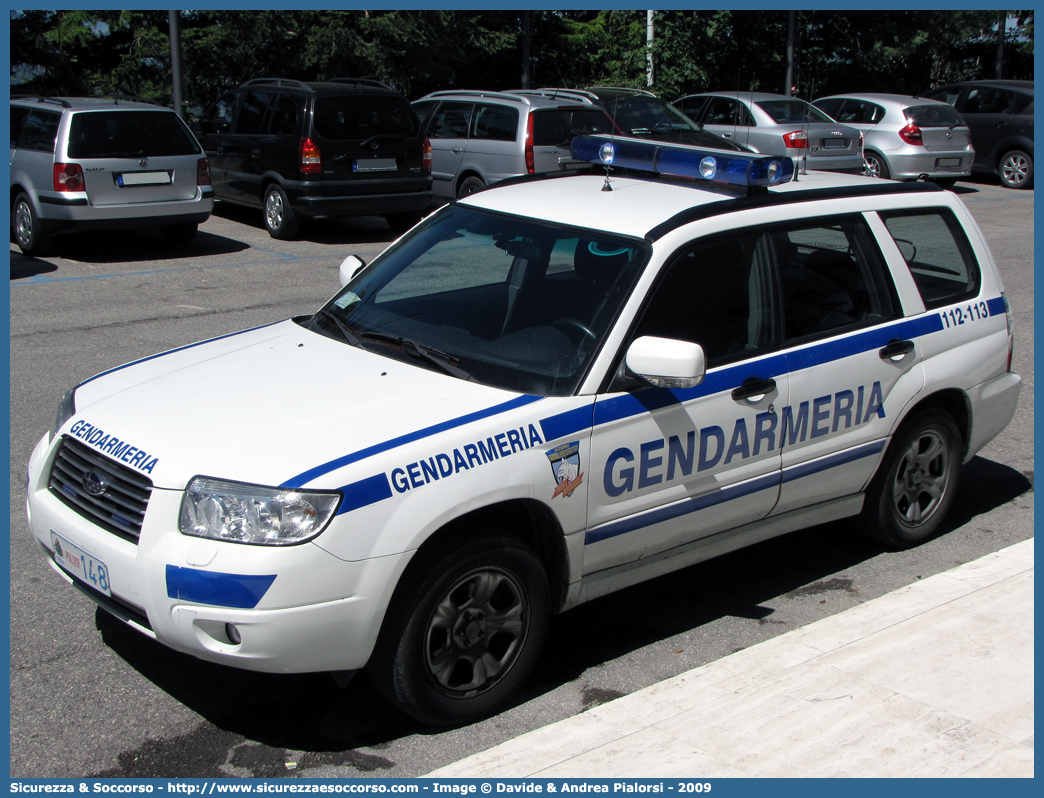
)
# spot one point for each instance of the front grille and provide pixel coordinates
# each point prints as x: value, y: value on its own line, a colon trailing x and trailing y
x: 120, y: 508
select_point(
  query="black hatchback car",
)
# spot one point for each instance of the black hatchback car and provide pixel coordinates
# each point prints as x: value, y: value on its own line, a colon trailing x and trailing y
x: 344, y: 147
x: 1000, y: 116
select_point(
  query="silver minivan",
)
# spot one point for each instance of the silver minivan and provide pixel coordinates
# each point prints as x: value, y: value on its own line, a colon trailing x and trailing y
x: 82, y: 163
x: 480, y: 137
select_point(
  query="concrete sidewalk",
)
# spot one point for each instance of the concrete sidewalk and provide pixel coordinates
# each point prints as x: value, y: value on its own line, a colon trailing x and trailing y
x: 934, y: 680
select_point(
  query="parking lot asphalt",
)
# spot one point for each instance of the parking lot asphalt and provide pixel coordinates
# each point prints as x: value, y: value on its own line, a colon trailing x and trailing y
x: 931, y: 680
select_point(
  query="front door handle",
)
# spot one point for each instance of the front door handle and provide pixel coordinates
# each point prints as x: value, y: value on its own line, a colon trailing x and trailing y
x: 753, y: 389
x: 896, y: 349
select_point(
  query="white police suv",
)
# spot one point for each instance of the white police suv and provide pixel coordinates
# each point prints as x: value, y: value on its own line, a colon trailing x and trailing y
x: 547, y: 391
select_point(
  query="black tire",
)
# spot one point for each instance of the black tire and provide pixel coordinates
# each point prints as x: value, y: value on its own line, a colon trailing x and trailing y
x: 280, y: 219
x: 1015, y: 169
x: 484, y: 604
x: 875, y: 165
x: 179, y: 234
x: 401, y: 222
x: 28, y: 233
x: 470, y: 186
x: 916, y: 484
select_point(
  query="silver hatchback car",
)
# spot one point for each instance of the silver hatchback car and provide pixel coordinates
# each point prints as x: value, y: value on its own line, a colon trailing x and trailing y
x: 906, y: 138
x: 774, y: 124
x: 80, y: 163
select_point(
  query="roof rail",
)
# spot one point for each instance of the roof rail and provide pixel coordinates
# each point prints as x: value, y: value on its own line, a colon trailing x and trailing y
x: 569, y: 94
x: 626, y: 88
x: 296, y: 84
x: 503, y: 95
x: 360, y: 82
x: 573, y: 95
x: 55, y: 100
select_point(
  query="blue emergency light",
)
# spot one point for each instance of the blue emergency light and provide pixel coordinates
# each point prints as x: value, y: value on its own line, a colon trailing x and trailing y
x: 721, y: 166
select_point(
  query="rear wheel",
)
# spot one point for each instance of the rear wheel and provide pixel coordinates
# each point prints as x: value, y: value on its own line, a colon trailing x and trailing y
x: 875, y: 165
x: 28, y: 232
x: 916, y: 484
x: 280, y: 219
x: 470, y: 186
x: 1016, y: 169
x: 463, y: 631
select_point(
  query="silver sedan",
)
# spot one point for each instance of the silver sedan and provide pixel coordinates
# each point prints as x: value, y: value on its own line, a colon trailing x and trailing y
x: 906, y: 138
x: 775, y: 124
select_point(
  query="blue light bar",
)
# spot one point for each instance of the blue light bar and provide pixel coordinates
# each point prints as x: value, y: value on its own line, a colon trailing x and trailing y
x: 721, y: 166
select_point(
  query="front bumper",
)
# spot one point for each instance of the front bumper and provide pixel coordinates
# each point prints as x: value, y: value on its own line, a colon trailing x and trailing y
x: 316, y: 612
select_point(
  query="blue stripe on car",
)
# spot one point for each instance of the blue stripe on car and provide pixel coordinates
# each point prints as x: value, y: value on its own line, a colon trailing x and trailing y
x: 241, y: 591
x: 402, y: 440
x: 364, y: 493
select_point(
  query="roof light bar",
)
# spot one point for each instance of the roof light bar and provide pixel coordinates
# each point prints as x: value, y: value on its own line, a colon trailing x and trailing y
x: 721, y: 166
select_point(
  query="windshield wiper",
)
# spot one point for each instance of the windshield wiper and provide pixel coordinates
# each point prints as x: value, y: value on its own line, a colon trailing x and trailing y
x: 351, y: 338
x: 443, y: 360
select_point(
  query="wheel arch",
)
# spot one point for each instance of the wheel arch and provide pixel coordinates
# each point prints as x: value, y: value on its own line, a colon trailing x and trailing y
x: 954, y: 402
x: 526, y: 520
x: 463, y: 175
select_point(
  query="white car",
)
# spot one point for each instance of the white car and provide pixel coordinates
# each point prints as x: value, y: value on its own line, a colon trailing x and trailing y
x: 550, y: 390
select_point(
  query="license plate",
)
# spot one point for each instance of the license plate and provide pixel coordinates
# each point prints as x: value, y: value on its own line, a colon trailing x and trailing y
x: 81, y: 564
x: 834, y: 144
x: 947, y: 161
x: 376, y: 165
x: 143, y: 178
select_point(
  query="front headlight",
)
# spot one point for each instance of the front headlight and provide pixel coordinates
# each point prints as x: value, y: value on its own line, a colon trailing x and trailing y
x: 240, y: 513
x: 66, y: 410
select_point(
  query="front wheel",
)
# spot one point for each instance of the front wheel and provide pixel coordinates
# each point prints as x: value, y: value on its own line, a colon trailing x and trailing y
x: 916, y: 484
x: 1016, y: 169
x: 280, y: 219
x: 463, y: 631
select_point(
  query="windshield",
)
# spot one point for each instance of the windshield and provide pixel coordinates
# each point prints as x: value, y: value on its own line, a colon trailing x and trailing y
x: 508, y: 302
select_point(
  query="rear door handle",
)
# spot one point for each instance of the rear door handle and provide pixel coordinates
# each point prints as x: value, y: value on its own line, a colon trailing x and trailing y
x: 255, y: 153
x: 753, y: 389
x: 896, y: 349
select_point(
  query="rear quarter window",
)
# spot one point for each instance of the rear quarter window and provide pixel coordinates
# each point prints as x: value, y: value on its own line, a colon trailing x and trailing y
x: 938, y: 253
x: 40, y: 131
x: 129, y: 134
x: 557, y: 126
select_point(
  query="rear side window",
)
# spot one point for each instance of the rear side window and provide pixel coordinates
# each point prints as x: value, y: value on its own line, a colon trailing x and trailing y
x: 987, y: 101
x: 129, y: 134
x: 283, y: 113
x: 938, y: 253
x: 252, y: 112
x: 18, y: 116
x: 360, y: 116
x: 1023, y: 104
x: 860, y: 112
x: 494, y: 122
x: 934, y: 116
x: 726, y: 111
x: 450, y: 121
x: 793, y: 112
x: 40, y: 131
x: 557, y: 126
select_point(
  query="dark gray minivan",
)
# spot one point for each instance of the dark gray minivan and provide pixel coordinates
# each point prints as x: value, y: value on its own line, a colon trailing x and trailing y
x: 343, y: 147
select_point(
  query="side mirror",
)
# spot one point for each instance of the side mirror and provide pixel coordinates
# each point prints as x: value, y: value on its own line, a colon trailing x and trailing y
x: 350, y: 267
x: 667, y: 363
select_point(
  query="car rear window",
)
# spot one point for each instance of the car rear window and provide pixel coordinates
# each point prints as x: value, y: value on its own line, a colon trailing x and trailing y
x: 359, y: 116
x: 557, y: 126
x: 933, y: 116
x: 938, y: 253
x: 785, y: 112
x: 129, y: 134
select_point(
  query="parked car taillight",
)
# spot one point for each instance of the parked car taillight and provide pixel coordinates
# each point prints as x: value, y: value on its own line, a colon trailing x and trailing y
x: 68, y: 177
x: 311, y: 163
x: 530, y: 162
x: 911, y: 134
x: 426, y: 161
x: 202, y: 172
x: 797, y: 139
